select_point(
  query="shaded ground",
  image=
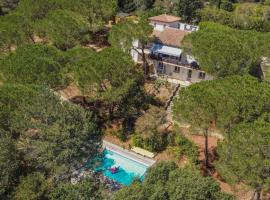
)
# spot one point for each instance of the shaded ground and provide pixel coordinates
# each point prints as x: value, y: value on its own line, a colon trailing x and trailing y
x: 240, y: 191
x: 162, y: 94
x: 69, y: 92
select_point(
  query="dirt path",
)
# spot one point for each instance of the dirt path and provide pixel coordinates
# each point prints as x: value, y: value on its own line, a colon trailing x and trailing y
x: 239, y: 191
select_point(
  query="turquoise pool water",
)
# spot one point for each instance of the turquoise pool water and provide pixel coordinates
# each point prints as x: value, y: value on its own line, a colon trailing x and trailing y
x: 128, y: 171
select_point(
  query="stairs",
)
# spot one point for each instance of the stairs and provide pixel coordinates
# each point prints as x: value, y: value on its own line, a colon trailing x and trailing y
x: 169, y: 103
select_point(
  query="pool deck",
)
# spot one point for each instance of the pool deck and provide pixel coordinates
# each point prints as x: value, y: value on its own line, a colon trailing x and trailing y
x: 128, y: 154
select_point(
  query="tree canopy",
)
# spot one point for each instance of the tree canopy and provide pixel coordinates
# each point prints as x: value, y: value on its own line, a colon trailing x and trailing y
x: 125, y: 35
x: 46, y: 135
x: 65, y: 29
x: 64, y: 23
x: 249, y: 160
x: 166, y: 181
x: 86, y: 189
x: 222, y: 102
x: 223, y: 51
x: 244, y: 16
x: 188, y: 9
x: 110, y: 77
x: 34, y: 64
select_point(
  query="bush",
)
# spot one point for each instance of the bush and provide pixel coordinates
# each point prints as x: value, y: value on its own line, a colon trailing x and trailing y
x: 120, y: 134
x: 155, y: 143
x: 137, y: 141
x: 228, y: 6
x: 180, y: 146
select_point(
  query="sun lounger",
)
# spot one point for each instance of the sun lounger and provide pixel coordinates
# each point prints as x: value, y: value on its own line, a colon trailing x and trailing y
x: 143, y: 152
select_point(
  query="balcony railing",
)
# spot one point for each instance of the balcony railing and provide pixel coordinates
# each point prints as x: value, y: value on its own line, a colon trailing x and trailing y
x: 173, y: 61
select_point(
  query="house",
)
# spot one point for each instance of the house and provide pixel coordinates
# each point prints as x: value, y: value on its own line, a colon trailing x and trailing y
x: 166, y: 52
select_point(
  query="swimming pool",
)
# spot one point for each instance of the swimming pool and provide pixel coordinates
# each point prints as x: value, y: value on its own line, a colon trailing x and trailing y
x: 128, y: 169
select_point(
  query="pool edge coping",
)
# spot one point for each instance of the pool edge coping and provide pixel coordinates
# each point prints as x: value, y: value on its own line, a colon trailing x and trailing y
x: 128, y: 154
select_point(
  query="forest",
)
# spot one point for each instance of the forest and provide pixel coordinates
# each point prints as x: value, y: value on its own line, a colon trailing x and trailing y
x: 68, y: 81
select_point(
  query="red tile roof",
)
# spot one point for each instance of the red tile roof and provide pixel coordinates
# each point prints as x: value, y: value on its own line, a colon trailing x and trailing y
x: 165, y: 18
x: 171, y: 36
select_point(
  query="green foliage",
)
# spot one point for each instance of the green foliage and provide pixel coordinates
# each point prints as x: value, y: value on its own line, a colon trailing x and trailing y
x: 49, y: 136
x: 166, y: 6
x: 110, y: 77
x: 166, y: 181
x: 249, y: 160
x: 65, y: 29
x: 8, y: 163
x: 127, y: 6
x: 243, y: 17
x: 32, y: 187
x: 225, y: 101
x: 86, y: 189
x: 150, y: 130
x: 222, y: 51
x: 7, y: 5
x: 160, y: 173
x: 96, y: 12
x: 15, y: 29
x: 73, y: 57
x: 151, y: 121
x: 120, y: 134
x: 34, y: 64
x: 195, y: 105
x: 188, y: 9
x: 180, y: 146
x: 35, y: 10
x: 64, y: 22
x: 123, y: 34
x: 227, y: 5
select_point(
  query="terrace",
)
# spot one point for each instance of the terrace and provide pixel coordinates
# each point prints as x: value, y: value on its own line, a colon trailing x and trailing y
x: 174, y: 60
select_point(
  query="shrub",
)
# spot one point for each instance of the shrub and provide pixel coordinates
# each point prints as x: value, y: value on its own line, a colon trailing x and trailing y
x: 228, y: 6
x: 120, y: 134
x: 180, y: 146
x: 137, y: 141
x: 155, y: 142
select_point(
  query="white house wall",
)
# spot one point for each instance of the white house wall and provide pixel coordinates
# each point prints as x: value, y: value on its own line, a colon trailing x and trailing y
x: 183, y: 74
x: 187, y: 27
x: 160, y: 26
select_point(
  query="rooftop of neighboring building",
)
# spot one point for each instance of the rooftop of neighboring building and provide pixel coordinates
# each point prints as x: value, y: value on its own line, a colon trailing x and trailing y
x: 170, y: 36
x: 165, y: 18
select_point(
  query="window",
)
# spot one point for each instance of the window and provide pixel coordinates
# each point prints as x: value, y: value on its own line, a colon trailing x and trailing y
x: 176, y: 69
x: 202, y: 75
